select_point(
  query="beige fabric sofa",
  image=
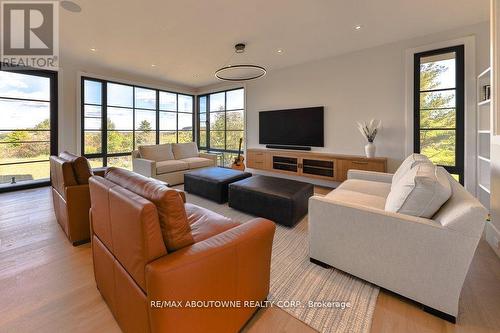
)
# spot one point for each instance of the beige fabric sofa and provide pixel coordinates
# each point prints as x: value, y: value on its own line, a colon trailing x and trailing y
x: 423, y: 259
x: 169, y: 162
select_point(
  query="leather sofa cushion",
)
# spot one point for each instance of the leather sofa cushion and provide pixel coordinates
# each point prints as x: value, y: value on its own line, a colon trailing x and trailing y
x: 157, y: 153
x: 81, y: 167
x: 198, y: 162
x: 170, y: 166
x: 185, y: 150
x: 421, y: 192
x: 176, y: 231
x: 407, y: 165
x: 206, y: 223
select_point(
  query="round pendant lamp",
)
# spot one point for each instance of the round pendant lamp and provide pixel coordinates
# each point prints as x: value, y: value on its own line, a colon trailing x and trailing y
x: 241, y: 71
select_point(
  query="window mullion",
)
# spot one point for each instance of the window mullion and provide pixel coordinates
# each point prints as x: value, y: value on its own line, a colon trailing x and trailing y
x: 104, y: 131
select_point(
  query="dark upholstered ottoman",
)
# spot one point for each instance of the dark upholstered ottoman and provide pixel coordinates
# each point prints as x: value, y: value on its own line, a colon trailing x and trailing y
x: 281, y: 200
x: 211, y: 183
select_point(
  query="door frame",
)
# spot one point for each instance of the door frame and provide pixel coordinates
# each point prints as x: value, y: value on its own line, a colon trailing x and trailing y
x: 54, y: 127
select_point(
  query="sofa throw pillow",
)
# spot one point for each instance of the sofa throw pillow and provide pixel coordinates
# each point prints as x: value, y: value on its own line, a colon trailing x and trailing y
x: 185, y: 150
x: 408, y: 164
x: 175, y: 228
x: 420, y: 192
x: 157, y: 153
x: 81, y: 167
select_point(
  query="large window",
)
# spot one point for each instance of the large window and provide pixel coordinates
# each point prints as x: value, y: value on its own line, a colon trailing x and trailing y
x: 117, y: 118
x: 439, y: 107
x: 221, y: 122
x: 28, y: 127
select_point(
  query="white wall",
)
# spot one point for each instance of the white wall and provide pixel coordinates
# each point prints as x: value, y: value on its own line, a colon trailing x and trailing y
x: 353, y: 87
x: 69, y: 95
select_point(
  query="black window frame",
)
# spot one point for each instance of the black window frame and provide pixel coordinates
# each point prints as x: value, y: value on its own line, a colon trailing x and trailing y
x: 459, y: 50
x: 207, y: 121
x: 54, y: 120
x: 104, y: 155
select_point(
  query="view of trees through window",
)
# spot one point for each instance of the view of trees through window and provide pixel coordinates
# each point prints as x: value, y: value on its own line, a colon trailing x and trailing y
x: 26, y: 104
x: 439, y: 130
x: 132, y: 116
x: 222, y: 124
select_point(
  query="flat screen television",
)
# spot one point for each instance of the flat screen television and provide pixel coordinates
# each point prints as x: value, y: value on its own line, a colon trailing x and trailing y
x: 293, y: 127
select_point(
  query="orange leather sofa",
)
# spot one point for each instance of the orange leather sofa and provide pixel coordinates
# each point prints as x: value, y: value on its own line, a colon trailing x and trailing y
x: 69, y: 176
x: 138, y: 277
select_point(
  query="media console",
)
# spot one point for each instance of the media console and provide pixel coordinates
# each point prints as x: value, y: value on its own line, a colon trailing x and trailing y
x: 318, y: 165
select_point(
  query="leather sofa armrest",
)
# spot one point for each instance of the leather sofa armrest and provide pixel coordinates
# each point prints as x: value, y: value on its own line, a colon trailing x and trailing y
x: 183, y: 194
x: 373, y: 176
x: 144, y: 167
x: 212, y: 157
x: 233, y: 265
x: 78, y: 206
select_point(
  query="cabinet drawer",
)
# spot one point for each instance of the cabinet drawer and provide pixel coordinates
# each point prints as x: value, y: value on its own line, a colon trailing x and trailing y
x: 364, y: 165
x: 256, y: 157
x: 360, y: 165
x: 256, y: 164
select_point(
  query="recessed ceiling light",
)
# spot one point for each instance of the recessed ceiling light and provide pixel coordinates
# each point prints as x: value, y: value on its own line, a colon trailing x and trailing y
x: 153, y: 65
x: 358, y: 27
x: 93, y: 49
x: 71, y: 6
x: 280, y: 51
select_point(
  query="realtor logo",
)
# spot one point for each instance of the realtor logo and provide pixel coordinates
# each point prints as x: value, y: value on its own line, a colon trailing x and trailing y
x: 29, y: 34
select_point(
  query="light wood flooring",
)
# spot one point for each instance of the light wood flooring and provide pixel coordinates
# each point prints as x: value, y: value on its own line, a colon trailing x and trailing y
x: 47, y: 285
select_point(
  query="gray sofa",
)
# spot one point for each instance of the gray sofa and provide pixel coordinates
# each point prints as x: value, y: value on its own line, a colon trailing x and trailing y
x: 169, y: 162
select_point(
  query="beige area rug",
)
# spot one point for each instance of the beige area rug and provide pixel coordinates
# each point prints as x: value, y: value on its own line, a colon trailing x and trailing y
x: 294, y: 278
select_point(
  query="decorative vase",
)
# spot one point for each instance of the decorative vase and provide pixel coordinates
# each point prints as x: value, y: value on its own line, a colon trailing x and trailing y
x: 370, y: 149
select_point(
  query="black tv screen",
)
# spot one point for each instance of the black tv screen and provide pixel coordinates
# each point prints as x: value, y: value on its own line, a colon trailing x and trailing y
x: 293, y: 127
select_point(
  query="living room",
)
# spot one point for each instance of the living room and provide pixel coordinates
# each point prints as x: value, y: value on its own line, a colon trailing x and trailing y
x: 286, y: 166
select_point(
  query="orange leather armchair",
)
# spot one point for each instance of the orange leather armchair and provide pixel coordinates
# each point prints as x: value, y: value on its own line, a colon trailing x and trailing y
x: 136, y: 276
x: 69, y: 176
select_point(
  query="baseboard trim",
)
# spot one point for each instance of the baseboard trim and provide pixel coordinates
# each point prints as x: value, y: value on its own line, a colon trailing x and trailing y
x: 492, y: 236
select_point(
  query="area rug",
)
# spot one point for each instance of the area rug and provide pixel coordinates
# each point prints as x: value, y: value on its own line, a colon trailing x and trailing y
x: 343, y: 303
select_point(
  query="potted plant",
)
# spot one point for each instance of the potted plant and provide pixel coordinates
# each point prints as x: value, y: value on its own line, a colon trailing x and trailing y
x: 369, y: 131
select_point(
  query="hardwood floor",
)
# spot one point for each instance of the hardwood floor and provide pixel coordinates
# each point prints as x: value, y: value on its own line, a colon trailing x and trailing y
x: 47, y: 285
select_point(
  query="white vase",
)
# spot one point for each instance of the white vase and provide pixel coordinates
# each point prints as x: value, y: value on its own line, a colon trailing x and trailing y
x: 370, y: 149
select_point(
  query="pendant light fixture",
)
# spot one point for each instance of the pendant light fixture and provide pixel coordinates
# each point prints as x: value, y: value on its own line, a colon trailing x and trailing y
x: 240, y: 71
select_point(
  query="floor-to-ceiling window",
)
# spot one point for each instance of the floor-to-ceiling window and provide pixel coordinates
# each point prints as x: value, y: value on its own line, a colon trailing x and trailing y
x: 28, y: 127
x: 439, y: 107
x: 221, y: 119
x: 117, y: 118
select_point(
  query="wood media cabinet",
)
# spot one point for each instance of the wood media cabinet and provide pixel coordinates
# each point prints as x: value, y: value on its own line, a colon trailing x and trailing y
x: 326, y: 166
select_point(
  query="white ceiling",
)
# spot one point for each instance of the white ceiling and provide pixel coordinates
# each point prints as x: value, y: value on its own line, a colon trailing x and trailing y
x: 188, y: 40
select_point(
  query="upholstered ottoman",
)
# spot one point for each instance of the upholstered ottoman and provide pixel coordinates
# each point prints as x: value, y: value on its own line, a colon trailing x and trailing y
x: 211, y: 183
x: 281, y: 200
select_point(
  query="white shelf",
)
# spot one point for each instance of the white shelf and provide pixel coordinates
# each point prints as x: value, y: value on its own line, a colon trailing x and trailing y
x: 484, y: 109
x: 482, y: 158
x: 484, y: 73
x: 485, y: 102
x: 484, y: 188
